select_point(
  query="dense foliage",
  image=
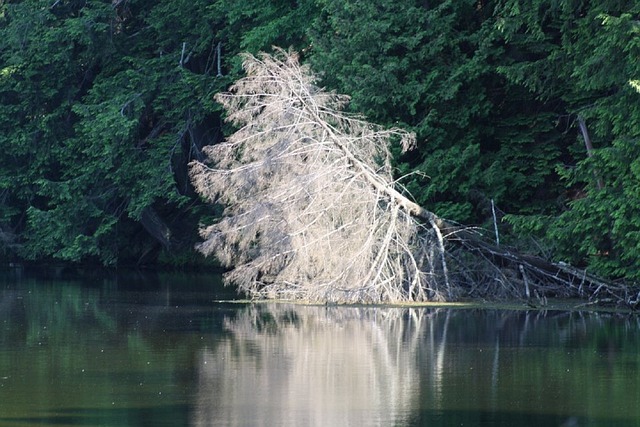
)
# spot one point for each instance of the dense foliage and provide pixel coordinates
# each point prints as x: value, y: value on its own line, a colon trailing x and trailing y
x: 103, y: 103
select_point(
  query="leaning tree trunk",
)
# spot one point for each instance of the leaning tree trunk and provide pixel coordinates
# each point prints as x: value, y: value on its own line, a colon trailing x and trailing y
x: 312, y: 211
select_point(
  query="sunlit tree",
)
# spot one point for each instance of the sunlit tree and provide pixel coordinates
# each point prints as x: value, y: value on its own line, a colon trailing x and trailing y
x: 312, y: 211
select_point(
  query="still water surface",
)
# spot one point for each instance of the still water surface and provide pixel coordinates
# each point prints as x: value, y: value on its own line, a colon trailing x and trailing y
x: 161, y: 350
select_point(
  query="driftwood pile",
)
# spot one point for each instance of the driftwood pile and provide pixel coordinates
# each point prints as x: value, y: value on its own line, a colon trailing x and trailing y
x: 313, y: 213
x: 527, y: 277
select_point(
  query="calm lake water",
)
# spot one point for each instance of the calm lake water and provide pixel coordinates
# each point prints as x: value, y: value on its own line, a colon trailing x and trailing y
x: 161, y: 350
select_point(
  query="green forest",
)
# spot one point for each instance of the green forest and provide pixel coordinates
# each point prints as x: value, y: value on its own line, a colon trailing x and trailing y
x: 527, y: 108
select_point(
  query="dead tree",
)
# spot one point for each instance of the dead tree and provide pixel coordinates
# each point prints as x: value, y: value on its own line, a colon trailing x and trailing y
x: 312, y: 211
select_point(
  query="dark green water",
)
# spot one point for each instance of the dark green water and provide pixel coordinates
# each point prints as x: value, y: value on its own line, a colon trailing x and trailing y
x: 160, y: 350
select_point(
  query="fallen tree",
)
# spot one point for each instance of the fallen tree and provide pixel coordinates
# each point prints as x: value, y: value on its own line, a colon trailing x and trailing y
x: 312, y: 211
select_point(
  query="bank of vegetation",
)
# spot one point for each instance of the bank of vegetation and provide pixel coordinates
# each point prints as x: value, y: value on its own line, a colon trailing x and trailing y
x: 525, y: 117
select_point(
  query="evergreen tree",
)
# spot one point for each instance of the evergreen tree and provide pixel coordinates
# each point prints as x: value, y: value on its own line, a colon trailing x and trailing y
x: 102, y: 106
x: 580, y: 60
x: 433, y: 67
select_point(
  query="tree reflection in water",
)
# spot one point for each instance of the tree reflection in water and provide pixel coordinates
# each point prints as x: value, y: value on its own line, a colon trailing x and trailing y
x: 312, y: 366
x: 123, y: 358
x: 300, y: 365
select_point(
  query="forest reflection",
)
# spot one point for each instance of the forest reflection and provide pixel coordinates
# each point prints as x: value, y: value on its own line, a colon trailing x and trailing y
x: 168, y: 354
x: 292, y: 365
